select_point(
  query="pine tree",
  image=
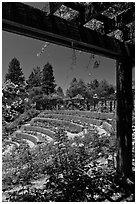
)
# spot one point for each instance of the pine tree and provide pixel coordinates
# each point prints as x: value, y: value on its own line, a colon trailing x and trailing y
x: 76, y: 87
x: 15, y: 74
x: 35, y: 78
x: 72, y: 91
x: 60, y: 92
x: 48, y: 80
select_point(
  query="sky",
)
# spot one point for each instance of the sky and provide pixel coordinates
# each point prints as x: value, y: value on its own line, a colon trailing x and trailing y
x: 25, y: 50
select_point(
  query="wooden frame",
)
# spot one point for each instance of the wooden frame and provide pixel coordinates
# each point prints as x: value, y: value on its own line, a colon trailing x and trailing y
x: 25, y: 20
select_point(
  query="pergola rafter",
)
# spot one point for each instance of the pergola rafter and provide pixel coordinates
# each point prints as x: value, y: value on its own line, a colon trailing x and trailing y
x: 54, y: 7
x: 89, y: 11
x: 99, y: 11
x: 34, y: 23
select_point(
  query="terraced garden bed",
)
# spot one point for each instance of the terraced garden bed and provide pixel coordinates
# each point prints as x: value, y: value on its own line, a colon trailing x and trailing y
x: 15, y: 143
x: 53, y: 124
x: 41, y: 137
x: 88, y: 114
x: 46, y: 132
x: 72, y: 118
x: 32, y: 138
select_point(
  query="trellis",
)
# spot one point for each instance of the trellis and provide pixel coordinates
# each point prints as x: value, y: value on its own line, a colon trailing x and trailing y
x: 105, y: 29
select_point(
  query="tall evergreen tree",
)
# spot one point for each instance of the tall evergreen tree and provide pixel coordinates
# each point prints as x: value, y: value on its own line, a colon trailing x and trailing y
x: 72, y: 91
x: 59, y: 92
x: 76, y: 87
x: 82, y: 89
x: 48, y: 80
x: 15, y: 74
x: 104, y: 89
x: 94, y: 84
x: 35, y: 78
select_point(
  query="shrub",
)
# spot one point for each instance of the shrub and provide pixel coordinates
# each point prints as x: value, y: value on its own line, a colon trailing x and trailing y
x: 22, y: 119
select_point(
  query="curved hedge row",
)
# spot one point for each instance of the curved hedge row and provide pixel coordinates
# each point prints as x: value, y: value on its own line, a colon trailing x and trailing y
x: 12, y: 142
x: 89, y: 114
x: 76, y: 119
x: 71, y: 119
x: 58, y: 122
x: 39, y: 129
x: 108, y: 127
x: 27, y: 136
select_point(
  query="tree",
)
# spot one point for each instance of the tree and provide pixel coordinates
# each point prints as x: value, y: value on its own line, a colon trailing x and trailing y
x: 15, y: 73
x: 59, y: 92
x: 48, y: 80
x: 74, y: 80
x: 77, y: 87
x: 13, y: 100
x: 72, y: 91
x: 82, y: 89
x: 104, y: 89
x: 35, y: 78
x: 93, y: 84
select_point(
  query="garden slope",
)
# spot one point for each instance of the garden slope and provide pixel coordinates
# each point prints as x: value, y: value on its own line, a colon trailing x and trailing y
x: 47, y: 122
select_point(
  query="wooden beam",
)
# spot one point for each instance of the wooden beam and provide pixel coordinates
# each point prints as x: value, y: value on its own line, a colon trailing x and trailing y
x: 87, y: 12
x: 124, y: 116
x: 120, y: 22
x: 75, y: 6
x: 54, y: 6
x: 95, y: 11
x: 25, y: 20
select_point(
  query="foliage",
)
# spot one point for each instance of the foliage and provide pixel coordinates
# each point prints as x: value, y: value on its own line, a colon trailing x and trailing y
x: 20, y: 120
x: 35, y: 78
x: 13, y: 100
x: 4, y: 128
x: 76, y: 87
x: 59, y: 92
x: 52, y: 124
x: 102, y: 89
x: 34, y: 93
x: 17, y: 166
x: 48, y: 81
x: 93, y: 84
x: 72, y: 91
x: 74, y: 171
x: 15, y: 73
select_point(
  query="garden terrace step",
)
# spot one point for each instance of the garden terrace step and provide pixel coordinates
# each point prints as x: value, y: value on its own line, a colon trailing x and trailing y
x: 108, y: 127
x: 31, y: 144
x: 77, y: 119
x: 57, y: 122
x: 27, y: 136
x: 45, y: 131
x: 13, y: 142
x: 40, y: 137
x: 89, y: 114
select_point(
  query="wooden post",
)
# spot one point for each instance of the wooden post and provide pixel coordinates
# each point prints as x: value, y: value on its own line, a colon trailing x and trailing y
x: 114, y: 104
x: 124, y: 116
x: 110, y: 105
x: 94, y: 102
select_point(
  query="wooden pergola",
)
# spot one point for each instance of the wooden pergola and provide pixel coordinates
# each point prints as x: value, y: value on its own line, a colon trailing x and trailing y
x: 90, y: 27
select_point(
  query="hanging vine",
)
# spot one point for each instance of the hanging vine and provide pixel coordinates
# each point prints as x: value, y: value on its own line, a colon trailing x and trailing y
x: 43, y: 49
x: 74, y: 57
x: 94, y: 60
x: 92, y: 56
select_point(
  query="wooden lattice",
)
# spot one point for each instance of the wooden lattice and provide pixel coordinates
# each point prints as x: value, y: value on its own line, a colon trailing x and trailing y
x: 100, y: 28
